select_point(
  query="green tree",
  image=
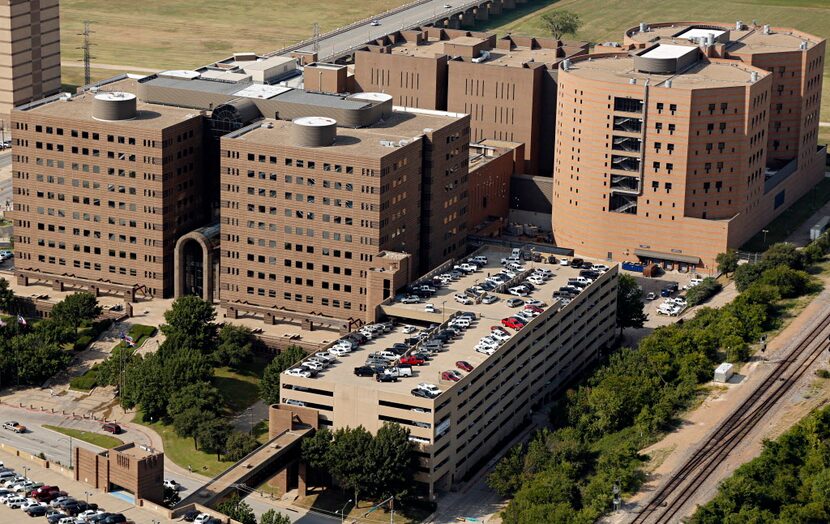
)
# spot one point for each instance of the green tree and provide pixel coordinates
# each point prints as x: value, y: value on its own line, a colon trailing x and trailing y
x: 727, y: 262
x: 201, y: 395
x: 789, y: 282
x: 315, y: 449
x: 8, y: 300
x: 212, y: 434
x: 269, y: 386
x: 560, y: 22
x: 630, y: 307
x: 187, y: 423
x: 237, y: 509
x: 272, y: 517
x: 235, y: 346
x: 783, y: 253
x: 708, y: 288
x: 347, y: 459
x: 191, y: 319
x: 392, y: 462
x: 506, y: 478
x: 746, y: 275
x: 76, y: 309
x: 239, y: 445
x: 37, y: 359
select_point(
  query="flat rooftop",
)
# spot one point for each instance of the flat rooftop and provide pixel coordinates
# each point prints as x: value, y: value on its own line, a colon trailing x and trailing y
x: 515, y: 57
x: 669, y: 51
x: 749, y: 40
x: 702, y: 75
x: 342, y: 372
x: 150, y: 116
x: 406, y: 125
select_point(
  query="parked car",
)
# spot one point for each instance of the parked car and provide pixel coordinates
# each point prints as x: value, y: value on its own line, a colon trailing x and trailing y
x: 577, y: 262
x: 14, y: 426
x: 409, y: 329
x: 418, y: 392
x: 512, y: 323
x: 464, y: 365
x: 411, y: 299
x: 111, y: 427
x: 298, y: 372
x: 412, y: 361
x: 172, y: 484
x: 432, y: 389
x: 364, y: 371
x: 430, y: 308
x: 385, y: 377
x: 451, y: 375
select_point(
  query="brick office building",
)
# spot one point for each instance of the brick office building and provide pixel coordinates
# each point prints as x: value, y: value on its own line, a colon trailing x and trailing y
x: 506, y: 85
x: 327, y: 220
x: 104, y: 185
x: 30, y: 67
x: 683, y: 148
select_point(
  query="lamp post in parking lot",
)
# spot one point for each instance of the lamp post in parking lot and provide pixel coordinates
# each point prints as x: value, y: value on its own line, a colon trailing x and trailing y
x: 68, y: 439
x: 443, y: 310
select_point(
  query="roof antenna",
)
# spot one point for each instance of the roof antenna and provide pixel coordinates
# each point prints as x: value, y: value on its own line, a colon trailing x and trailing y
x: 87, y: 57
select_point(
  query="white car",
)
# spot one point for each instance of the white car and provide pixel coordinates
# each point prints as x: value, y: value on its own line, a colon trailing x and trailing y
x: 325, y: 356
x: 601, y: 268
x: 30, y: 503
x: 15, y: 502
x: 339, y: 351
x: 344, y: 345
x: 490, y: 340
x: 534, y: 302
x: 169, y: 483
x: 202, y: 518
x: 375, y: 23
x: 316, y: 366
x: 315, y: 360
x: 479, y: 259
x: 463, y: 299
x: 564, y: 262
x: 470, y: 268
x: 489, y: 299
x: 536, y: 280
x: 297, y: 372
x: 432, y: 389
x: 695, y: 281
x: 487, y: 350
x: 409, y: 329
x: 430, y: 308
x: 545, y: 272
x: 500, y: 335
x: 518, y: 291
x: 411, y: 299
x: 92, y: 512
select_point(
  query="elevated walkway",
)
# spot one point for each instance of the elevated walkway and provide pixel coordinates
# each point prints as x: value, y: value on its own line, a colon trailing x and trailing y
x: 274, y: 455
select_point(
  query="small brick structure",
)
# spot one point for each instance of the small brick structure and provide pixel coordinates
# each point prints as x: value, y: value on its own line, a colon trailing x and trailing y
x: 137, y: 469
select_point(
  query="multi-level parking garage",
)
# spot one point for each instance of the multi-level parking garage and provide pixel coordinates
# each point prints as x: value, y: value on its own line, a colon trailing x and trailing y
x: 470, y: 416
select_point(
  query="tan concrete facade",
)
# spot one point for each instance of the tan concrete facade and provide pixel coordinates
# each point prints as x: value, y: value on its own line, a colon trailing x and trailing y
x: 29, y: 52
x: 469, y: 419
x: 492, y: 163
x: 677, y: 167
x: 105, y: 201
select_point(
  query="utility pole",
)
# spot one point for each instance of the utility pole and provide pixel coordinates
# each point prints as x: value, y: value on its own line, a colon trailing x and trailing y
x: 315, y: 46
x: 87, y: 56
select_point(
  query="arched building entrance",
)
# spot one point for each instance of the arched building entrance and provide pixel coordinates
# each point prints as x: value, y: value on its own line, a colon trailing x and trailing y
x: 197, y: 264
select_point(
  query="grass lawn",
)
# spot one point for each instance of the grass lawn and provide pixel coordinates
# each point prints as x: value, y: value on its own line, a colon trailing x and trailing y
x: 788, y: 221
x: 604, y: 21
x: 96, y: 439
x: 183, y: 452
x: 240, y: 388
x: 187, y: 34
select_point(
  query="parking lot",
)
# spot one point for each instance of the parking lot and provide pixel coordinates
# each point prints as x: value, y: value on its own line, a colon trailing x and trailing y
x: 109, y: 503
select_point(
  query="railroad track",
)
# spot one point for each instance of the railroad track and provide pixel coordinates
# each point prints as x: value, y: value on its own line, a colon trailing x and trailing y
x: 672, y: 496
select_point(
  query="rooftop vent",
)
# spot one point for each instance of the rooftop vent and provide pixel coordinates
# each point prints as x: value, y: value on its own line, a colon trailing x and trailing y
x: 739, y: 25
x: 643, y: 28
x: 313, y: 131
x: 766, y: 29
x: 566, y: 64
x: 668, y: 83
x: 114, y: 105
x: 803, y: 44
x: 632, y: 80
x: 753, y: 76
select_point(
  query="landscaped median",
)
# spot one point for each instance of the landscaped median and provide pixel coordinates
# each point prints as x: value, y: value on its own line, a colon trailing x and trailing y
x: 96, y: 439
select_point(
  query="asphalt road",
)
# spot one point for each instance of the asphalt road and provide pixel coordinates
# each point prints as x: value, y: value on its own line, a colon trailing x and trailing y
x: 416, y: 15
x: 56, y: 445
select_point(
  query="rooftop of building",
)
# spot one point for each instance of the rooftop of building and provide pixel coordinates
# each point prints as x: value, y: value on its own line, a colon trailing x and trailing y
x: 518, y: 54
x: 704, y: 74
x: 462, y: 348
x: 748, y: 39
x: 403, y: 126
x: 79, y: 107
x: 484, y: 152
x: 133, y: 450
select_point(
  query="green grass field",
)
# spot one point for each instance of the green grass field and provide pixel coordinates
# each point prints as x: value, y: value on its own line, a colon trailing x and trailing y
x: 240, y: 388
x: 604, y: 21
x: 186, y: 34
x: 96, y: 439
x: 182, y: 451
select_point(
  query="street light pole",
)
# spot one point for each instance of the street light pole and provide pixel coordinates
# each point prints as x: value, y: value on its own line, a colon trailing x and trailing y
x: 69, y: 439
x: 342, y: 515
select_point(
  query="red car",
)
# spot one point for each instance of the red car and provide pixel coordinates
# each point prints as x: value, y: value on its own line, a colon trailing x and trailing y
x: 512, y: 323
x: 111, y: 427
x: 535, y: 309
x: 452, y: 376
x: 413, y: 361
x: 464, y: 366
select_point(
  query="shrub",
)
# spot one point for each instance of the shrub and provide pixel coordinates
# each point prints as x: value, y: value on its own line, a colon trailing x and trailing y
x: 822, y: 373
x: 86, y: 381
x: 790, y: 282
x: 82, y: 342
x: 746, y: 275
x: 703, y: 291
